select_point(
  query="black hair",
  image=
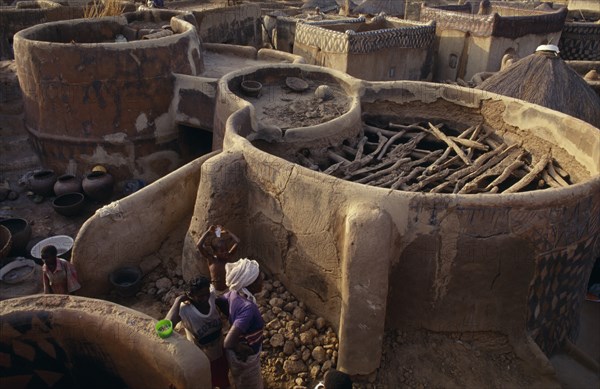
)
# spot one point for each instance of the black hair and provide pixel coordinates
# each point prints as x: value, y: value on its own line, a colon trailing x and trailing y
x: 335, y: 379
x: 49, y: 251
x: 197, y: 283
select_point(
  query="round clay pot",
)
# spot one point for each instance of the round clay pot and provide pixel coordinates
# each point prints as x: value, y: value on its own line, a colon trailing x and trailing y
x: 251, y: 88
x: 98, y: 185
x: 20, y: 230
x: 67, y: 183
x: 42, y: 183
x: 69, y: 204
x: 126, y: 280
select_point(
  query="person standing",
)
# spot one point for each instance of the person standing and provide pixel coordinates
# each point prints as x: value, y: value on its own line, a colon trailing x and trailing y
x: 59, y: 276
x: 243, y: 342
x: 218, y: 251
x: 198, y: 310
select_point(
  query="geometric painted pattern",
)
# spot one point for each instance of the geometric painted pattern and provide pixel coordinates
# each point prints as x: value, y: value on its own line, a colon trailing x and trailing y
x: 580, y: 42
x: 350, y: 42
x: 519, y: 24
x: 569, y: 245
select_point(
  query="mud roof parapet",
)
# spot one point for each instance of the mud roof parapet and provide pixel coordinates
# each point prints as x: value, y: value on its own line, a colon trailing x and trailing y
x: 531, y: 22
x: 416, y: 36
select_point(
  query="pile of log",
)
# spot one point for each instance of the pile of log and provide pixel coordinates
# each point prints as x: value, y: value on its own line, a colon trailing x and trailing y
x: 435, y: 158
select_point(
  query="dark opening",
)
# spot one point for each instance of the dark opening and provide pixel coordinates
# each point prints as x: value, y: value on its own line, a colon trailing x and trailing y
x: 194, y: 142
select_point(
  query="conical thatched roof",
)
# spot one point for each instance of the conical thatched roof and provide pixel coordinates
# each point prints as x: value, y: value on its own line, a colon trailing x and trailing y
x: 373, y: 7
x: 545, y: 79
x: 323, y: 5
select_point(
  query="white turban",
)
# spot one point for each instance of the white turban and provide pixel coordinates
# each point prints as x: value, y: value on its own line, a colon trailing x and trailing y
x: 240, y: 274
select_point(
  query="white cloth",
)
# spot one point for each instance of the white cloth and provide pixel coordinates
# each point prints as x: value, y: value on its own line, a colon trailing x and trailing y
x: 246, y: 374
x: 241, y: 273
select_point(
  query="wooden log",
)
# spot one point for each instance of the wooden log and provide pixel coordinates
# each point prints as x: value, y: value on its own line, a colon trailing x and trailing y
x: 306, y: 162
x: 470, y: 143
x: 440, y: 187
x: 506, y: 173
x: 383, y: 172
x: 331, y: 170
x: 403, y: 180
x: 426, y: 180
x: 564, y: 174
x: 450, y: 143
x: 336, y: 157
x: 377, y: 130
x: 549, y: 180
x: 554, y: 174
x: 482, y: 159
x: 435, y: 166
x: 369, y: 169
x: 523, y: 182
x: 390, y: 142
x: 491, y: 162
x: 361, y: 148
x: 349, y: 150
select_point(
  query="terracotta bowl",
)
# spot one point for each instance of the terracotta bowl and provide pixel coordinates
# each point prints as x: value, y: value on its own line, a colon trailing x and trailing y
x: 251, y: 88
x: 69, y: 204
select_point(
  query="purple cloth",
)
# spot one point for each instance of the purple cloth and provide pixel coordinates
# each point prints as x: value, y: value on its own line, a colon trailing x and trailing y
x: 244, y: 314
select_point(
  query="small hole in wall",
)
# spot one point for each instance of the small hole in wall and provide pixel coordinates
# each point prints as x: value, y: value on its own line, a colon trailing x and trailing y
x: 453, y: 61
x: 194, y: 142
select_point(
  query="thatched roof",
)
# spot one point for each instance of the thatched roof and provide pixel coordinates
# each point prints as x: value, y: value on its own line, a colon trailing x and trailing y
x: 545, y: 79
x: 323, y: 5
x: 373, y: 7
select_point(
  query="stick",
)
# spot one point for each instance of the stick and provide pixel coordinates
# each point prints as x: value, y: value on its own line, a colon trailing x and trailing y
x: 450, y: 143
x: 470, y: 143
x: 523, y: 182
x: 383, y: 172
x: 333, y: 168
x: 549, y: 180
x: 377, y: 130
x: 389, y: 142
x: 409, y: 177
x: 564, y: 174
x: 434, y: 167
x: 553, y: 173
x: 336, y: 157
x: 426, y: 180
x: 361, y: 148
x: 506, y: 173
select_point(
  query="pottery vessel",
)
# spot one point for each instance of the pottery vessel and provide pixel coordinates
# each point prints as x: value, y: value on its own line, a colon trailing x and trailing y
x: 42, y: 183
x: 67, y: 183
x: 69, y: 204
x: 251, y: 88
x: 126, y: 280
x: 20, y: 230
x: 98, y: 185
x: 5, y: 241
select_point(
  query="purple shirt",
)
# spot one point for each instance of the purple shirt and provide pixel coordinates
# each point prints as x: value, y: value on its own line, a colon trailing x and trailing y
x: 244, y: 314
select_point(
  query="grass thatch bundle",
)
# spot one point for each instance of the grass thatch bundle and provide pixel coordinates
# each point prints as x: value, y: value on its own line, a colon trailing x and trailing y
x: 545, y: 79
x: 101, y: 8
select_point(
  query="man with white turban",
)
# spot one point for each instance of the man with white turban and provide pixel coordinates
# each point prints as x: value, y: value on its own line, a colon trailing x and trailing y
x: 243, y: 342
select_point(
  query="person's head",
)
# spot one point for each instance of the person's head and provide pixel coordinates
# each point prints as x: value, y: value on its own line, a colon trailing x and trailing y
x: 244, y: 273
x: 220, y: 246
x: 335, y: 379
x: 198, y: 289
x: 49, y: 254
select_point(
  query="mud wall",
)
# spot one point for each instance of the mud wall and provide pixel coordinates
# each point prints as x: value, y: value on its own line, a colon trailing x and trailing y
x: 516, y: 264
x: 109, y: 104
x: 69, y: 341
x: 239, y: 25
x: 136, y: 224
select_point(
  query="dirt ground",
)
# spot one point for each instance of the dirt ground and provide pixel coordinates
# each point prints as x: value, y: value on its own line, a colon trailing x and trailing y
x: 411, y: 359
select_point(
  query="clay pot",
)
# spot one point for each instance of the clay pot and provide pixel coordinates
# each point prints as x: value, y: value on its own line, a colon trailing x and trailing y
x: 42, y: 183
x: 67, y: 183
x: 251, y: 88
x: 98, y: 185
x: 5, y: 241
x: 126, y: 280
x: 69, y: 204
x: 20, y: 230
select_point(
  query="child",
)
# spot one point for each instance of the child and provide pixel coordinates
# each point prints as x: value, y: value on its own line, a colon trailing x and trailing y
x: 197, y: 309
x: 59, y: 275
x: 220, y: 250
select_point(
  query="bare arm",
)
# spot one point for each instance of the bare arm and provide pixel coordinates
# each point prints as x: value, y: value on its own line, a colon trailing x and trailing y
x: 232, y: 342
x: 46, y: 284
x: 173, y: 313
x: 236, y: 241
x: 202, y: 241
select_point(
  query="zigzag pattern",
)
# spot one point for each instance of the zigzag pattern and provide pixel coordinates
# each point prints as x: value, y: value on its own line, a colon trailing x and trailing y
x: 311, y: 34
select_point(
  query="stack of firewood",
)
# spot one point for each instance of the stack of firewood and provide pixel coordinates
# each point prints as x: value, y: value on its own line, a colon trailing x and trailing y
x: 433, y: 157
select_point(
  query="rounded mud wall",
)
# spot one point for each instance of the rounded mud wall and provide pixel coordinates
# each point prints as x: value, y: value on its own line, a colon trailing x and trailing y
x: 90, y: 100
x: 76, y: 342
x: 364, y: 256
x: 298, y: 106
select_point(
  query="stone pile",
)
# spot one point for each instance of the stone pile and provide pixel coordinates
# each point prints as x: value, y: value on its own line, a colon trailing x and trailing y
x: 298, y: 347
